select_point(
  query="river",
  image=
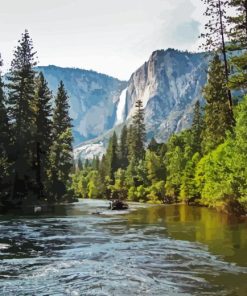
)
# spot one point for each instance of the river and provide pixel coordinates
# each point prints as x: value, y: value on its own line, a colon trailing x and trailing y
x: 151, y: 250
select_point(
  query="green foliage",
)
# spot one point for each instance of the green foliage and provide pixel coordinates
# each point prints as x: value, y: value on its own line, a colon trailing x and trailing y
x: 175, y: 165
x: 42, y: 134
x: 123, y: 148
x: 189, y: 190
x: 155, y: 166
x: 21, y: 94
x: 137, y: 134
x: 112, y: 162
x: 61, y: 149
x: 156, y: 192
x: 94, y: 185
x: 218, y: 117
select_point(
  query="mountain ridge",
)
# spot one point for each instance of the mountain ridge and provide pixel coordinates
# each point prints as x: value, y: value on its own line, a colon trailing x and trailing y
x: 168, y: 83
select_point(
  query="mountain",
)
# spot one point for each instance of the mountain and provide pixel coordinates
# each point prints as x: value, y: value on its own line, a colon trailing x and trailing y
x: 93, y: 99
x: 168, y: 84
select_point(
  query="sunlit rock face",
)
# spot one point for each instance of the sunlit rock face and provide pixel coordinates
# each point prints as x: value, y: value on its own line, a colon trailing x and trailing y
x: 93, y: 99
x: 168, y: 84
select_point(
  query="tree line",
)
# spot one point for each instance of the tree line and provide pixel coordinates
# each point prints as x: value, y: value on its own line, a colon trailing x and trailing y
x: 35, y: 134
x: 206, y: 164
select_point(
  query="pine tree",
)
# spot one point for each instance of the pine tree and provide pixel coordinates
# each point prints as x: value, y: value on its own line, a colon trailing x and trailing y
x: 153, y: 145
x: 196, y: 129
x: 238, y: 23
x: 112, y: 156
x: 61, y: 156
x: 238, y: 37
x: 137, y: 145
x: 43, y: 123
x: 215, y: 35
x: 4, y: 145
x: 79, y: 164
x: 218, y: 119
x: 21, y: 90
x: 95, y: 163
x: 123, y: 148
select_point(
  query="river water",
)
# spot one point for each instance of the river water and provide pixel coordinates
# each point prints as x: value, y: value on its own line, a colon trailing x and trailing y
x: 151, y: 250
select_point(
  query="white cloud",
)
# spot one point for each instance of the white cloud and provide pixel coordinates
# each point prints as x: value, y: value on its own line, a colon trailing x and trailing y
x: 111, y: 36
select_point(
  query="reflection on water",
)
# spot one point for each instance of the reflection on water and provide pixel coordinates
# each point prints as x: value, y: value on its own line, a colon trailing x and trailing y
x: 153, y: 250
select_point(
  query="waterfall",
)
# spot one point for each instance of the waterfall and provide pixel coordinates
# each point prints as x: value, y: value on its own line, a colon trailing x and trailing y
x: 120, y: 116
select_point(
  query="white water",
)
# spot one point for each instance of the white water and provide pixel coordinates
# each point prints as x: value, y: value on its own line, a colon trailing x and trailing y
x: 121, y: 107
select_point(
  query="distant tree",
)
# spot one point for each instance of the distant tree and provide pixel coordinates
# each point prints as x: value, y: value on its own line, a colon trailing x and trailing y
x: 175, y: 164
x: 95, y: 163
x: 153, y: 145
x: 123, y: 148
x: 137, y: 145
x: 21, y: 93
x: 197, y: 128
x: 79, y: 164
x: 61, y: 150
x: 112, y: 157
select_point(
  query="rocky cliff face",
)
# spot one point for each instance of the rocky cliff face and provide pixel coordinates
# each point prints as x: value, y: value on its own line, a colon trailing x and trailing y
x: 168, y: 84
x: 93, y: 99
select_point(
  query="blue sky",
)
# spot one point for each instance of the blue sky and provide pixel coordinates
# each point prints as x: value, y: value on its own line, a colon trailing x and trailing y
x: 110, y: 36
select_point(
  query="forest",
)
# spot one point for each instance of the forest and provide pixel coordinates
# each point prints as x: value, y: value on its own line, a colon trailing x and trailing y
x: 35, y: 132
x: 204, y: 165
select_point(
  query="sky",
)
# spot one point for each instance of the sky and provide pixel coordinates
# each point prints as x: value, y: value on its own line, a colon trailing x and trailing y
x: 114, y: 37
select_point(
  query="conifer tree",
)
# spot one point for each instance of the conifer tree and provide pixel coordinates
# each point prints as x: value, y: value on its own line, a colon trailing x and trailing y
x: 137, y: 146
x: 238, y: 23
x: 42, y: 133
x: 79, y: 164
x: 218, y: 119
x: 61, y: 156
x: 112, y: 156
x: 215, y: 35
x: 21, y: 90
x: 95, y: 163
x: 153, y: 145
x: 238, y: 37
x: 196, y: 129
x: 123, y: 148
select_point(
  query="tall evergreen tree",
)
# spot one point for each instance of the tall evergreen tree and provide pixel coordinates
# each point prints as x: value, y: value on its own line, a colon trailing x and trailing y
x: 61, y: 150
x: 79, y: 164
x: 123, y: 148
x: 137, y: 147
x: 43, y: 123
x: 21, y: 92
x: 215, y: 35
x: 218, y: 119
x: 196, y: 129
x: 238, y: 37
x: 112, y: 156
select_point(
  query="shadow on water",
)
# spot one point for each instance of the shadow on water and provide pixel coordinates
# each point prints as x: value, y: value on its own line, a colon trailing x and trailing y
x: 151, y: 250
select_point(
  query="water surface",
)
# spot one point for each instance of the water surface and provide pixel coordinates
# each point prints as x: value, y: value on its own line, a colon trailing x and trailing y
x: 152, y: 250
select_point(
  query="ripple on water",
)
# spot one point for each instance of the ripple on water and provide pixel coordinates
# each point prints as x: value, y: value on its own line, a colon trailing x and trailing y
x: 92, y: 255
